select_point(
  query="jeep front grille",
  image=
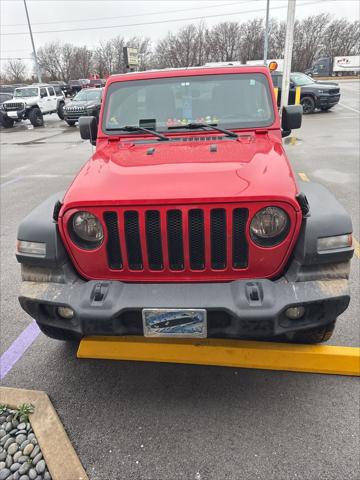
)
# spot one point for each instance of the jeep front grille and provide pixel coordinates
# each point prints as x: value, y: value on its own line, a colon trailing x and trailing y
x: 13, y: 106
x: 184, y: 239
x: 179, y: 243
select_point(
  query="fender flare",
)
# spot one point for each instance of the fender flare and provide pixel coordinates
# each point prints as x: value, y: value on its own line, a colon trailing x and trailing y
x: 327, y: 218
x: 39, y: 226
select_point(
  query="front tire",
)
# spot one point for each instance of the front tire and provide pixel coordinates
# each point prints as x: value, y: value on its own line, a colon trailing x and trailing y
x: 314, y: 335
x: 71, y: 123
x: 308, y: 105
x: 60, y: 111
x: 59, y: 334
x: 36, y: 117
x: 7, y: 122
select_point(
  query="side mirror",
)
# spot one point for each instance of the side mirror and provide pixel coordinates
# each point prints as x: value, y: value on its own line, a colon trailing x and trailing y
x: 42, y: 95
x: 291, y: 119
x: 88, y: 129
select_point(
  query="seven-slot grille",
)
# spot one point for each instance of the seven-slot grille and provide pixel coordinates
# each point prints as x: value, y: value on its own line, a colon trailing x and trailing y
x: 13, y: 106
x: 177, y: 239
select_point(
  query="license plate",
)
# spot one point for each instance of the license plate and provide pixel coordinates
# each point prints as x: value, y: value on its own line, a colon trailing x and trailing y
x: 12, y: 114
x: 173, y: 322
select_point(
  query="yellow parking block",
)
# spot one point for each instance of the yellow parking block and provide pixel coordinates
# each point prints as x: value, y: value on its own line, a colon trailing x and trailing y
x: 226, y: 353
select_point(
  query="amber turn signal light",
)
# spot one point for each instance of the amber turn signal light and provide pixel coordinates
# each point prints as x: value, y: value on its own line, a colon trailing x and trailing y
x: 273, y: 66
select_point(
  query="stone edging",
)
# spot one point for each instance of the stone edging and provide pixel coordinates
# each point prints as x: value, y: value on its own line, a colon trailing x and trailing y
x: 60, y: 456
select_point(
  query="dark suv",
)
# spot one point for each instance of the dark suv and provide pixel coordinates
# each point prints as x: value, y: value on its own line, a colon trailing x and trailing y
x: 86, y: 102
x: 321, y: 95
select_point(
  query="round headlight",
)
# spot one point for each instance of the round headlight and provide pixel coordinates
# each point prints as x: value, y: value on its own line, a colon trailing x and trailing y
x: 86, y: 230
x: 269, y: 226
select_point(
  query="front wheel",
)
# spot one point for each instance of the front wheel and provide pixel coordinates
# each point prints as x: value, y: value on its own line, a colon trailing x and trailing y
x: 60, y: 111
x: 36, y: 117
x: 7, y: 122
x: 308, y: 105
x: 314, y: 335
x: 59, y: 334
x: 71, y: 123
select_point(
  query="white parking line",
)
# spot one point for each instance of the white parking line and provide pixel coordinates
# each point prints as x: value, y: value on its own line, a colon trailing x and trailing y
x: 9, y: 182
x: 350, y: 108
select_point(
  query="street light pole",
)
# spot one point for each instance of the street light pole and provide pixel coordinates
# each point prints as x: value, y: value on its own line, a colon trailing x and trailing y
x: 33, y: 45
x: 289, y: 40
x: 266, y: 39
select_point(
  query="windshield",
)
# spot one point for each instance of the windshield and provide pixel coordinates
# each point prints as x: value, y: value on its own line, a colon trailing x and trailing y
x: 26, y: 92
x: 86, y: 95
x: 301, y: 79
x: 229, y: 100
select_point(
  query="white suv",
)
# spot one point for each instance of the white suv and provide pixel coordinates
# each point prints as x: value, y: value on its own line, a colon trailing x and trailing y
x: 32, y: 102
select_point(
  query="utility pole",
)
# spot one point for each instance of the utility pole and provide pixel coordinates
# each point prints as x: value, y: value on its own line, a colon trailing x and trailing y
x: 266, y: 39
x: 289, y: 41
x: 33, y: 44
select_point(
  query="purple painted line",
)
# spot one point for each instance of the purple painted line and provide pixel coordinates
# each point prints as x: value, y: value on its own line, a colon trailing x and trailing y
x: 18, y: 348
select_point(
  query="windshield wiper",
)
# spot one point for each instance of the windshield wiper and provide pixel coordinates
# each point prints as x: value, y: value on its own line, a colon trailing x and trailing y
x: 130, y: 128
x: 212, y: 126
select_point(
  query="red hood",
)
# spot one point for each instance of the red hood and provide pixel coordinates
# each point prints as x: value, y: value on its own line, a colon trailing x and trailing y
x: 253, y: 167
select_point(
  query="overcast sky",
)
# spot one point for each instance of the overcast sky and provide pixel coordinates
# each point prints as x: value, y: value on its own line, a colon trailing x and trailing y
x: 128, y: 18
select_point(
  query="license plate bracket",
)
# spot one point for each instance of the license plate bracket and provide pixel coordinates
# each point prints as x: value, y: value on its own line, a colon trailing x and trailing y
x: 175, y: 322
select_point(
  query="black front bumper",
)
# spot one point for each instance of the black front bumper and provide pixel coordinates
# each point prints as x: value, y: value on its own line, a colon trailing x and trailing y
x: 74, y: 116
x: 245, y: 308
x: 20, y: 114
x: 324, y: 101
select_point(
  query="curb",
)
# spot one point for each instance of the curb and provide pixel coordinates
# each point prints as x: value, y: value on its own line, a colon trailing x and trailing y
x: 60, y: 456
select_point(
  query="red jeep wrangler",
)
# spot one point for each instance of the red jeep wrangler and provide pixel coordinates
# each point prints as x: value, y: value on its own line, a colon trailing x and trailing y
x: 188, y: 220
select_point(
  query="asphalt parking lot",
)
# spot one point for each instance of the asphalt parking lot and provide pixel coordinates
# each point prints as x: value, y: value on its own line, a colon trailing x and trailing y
x: 179, y: 422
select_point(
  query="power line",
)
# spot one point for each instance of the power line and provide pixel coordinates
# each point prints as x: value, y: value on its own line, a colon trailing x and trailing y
x: 15, y: 58
x: 159, y: 21
x: 122, y: 16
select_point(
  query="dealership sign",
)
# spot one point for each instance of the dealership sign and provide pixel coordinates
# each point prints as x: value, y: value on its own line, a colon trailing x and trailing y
x: 131, y: 57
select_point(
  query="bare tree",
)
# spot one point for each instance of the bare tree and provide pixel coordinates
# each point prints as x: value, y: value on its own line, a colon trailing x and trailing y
x: 178, y: 50
x: 277, y: 32
x: 252, y: 41
x: 197, y: 44
x: 82, y: 66
x: 63, y: 61
x: 49, y: 58
x: 309, y: 35
x: 226, y: 40
x: 342, y: 38
x: 15, y: 70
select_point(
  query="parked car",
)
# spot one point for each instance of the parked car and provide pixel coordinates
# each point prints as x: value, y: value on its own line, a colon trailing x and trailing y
x: 86, y: 102
x: 322, y: 95
x: 10, y: 88
x: 32, y: 102
x: 5, y: 96
x: 97, y: 82
x: 63, y: 85
x: 188, y: 219
x: 75, y: 86
x: 85, y: 82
